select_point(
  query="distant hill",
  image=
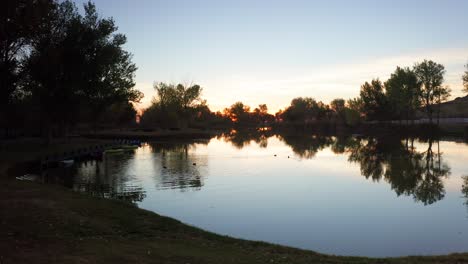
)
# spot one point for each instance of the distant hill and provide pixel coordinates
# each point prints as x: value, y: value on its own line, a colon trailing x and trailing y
x: 455, y: 108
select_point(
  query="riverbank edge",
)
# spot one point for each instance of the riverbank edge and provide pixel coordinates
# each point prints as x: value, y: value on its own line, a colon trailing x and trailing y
x: 51, y: 224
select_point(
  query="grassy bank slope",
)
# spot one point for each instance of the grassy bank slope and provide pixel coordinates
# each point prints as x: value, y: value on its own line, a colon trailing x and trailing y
x: 49, y: 224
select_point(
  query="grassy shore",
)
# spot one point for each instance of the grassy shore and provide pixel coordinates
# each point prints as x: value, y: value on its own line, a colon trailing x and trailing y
x: 50, y: 224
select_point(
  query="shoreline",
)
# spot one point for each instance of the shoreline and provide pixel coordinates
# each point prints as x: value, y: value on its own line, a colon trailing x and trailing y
x: 73, y: 228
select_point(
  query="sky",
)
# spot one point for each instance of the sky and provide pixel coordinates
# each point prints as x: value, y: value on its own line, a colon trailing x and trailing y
x: 271, y: 51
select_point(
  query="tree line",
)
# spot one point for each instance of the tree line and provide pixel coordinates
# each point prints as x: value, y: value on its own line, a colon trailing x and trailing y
x: 407, y: 95
x: 59, y: 67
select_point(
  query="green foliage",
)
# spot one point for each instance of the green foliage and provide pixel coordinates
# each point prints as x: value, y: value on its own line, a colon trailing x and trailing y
x: 238, y: 113
x: 305, y: 109
x: 409, y: 172
x: 338, y: 105
x: 18, y: 20
x: 373, y: 100
x: 19, y: 23
x: 176, y: 106
x: 118, y: 114
x: 403, y: 90
x: 351, y: 117
x: 431, y: 77
x: 241, y: 115
x: 77, y: 64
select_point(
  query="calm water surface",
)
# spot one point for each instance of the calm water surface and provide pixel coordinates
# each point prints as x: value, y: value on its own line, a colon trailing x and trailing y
x: 345, y: 196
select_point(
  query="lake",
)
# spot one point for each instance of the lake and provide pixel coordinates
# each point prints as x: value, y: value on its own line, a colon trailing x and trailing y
x: 336, y: 195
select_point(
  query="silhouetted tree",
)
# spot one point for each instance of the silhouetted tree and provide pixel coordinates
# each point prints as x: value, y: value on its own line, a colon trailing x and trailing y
x: 374, y: 103
x: 78, y: 60
x: 19, y: 23
x: 338, y: 106
x: 353, y: 111
x: 109, y: 70
x: 175, y: 106
x: 119, y: 114
x: 403, y: 90
x: 54, y: 67
x: 261, y: 115
x: 239, y: 113
x: 305, y: 110
x: 431, y: 77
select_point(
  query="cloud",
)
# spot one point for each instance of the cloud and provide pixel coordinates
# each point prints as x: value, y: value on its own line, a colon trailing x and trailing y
x: 327, y: 82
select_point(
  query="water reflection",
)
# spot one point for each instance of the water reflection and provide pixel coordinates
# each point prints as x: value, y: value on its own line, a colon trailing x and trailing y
x: 178, y: 167
x: 110, y: 177
x: 335, y: 194
x: 408, y: 171
x: 306, y: 146
x: 243, y: 138
x: 464, y: 189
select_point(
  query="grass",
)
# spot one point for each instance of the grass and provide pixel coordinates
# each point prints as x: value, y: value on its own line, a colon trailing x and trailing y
x: 50, y: 224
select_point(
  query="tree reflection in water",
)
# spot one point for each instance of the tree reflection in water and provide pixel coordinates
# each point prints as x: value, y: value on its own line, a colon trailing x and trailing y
x: 242, y: 138
x: 306, y: 146
x: 108, y: 178
x: 408, y: 171
x: 178, y: 168
x: 464, y: 189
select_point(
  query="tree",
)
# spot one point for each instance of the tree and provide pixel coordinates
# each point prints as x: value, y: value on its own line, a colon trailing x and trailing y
x: 53, y: 67
x: 402, y: 91
x: 119, y: 114
x: 262, y: 116
x: 431, y: 77
x: 305, y: 110
x: 108, y: 69
x: 78, y: 60
x: 19, y: 23
x: 353, y: 111
x: 238, y: 113
x: 374, y: 101
x: 338, y: 106
x: 175, y: 106
x: 465, y: 80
